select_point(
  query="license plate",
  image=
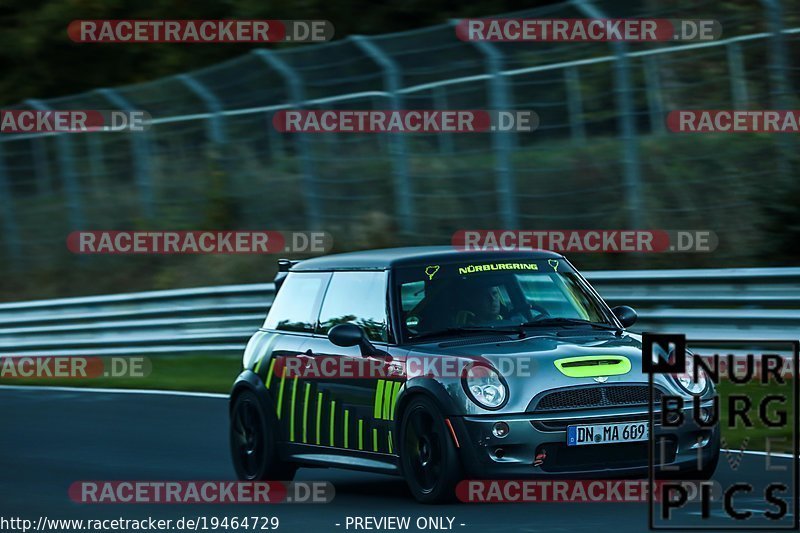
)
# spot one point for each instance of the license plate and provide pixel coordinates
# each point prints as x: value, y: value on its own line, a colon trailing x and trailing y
x: 606, y: 433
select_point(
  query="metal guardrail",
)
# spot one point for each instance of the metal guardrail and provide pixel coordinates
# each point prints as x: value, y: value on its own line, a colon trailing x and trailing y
x: 725, y: 304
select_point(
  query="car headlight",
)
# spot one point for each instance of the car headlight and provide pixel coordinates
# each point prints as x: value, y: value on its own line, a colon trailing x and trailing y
x: 695, y: 385
x: 485, y: 386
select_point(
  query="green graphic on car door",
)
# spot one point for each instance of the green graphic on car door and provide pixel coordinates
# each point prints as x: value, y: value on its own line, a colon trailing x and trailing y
x: 311, y: 414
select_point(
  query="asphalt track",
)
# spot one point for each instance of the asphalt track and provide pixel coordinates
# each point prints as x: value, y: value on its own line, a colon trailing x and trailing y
x: 51, y: 438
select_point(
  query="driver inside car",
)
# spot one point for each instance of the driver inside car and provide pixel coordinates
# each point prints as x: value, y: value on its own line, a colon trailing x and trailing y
x: 486, y: 308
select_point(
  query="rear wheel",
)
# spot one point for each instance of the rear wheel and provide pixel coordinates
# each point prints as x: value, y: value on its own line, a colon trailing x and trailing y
x: 428, y: 456
x: 253, y: 440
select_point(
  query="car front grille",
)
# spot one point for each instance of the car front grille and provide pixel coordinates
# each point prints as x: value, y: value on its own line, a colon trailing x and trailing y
x: 592, y: 397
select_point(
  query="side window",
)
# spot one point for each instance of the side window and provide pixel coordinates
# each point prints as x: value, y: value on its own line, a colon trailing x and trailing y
x: 411, y: 294
x: 356, y: 298
x: 296, y: 305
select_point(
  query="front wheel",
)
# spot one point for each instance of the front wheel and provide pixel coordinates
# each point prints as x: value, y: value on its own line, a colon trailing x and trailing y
x: 428, y: 457
x: 253, y: 439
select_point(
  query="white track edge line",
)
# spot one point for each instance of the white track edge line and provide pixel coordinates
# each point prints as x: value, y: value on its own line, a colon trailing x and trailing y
x: 116, y: 391
x: 757, y: 452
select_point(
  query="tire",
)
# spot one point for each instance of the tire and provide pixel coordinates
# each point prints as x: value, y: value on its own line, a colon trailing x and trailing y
x: 428, y: 458
x: 254, y: 442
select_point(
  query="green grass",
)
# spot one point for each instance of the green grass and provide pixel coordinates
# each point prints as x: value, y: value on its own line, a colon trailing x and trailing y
x: 193, y: 372
x: 757, y: 435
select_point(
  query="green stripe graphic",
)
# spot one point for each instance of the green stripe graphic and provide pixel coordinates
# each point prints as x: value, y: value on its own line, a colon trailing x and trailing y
x: 291, y: 415
x: 387, y: 399
x: 395, y: 392
x: 374, y: 440
x: 346, y: 432
x: 390, y: 441
x: 271, y: 369
x: 378, y: 399
x: 305, y: 414
x: 319, y: 414
x: 333, y: 417
x: 280, y: 394
x: 360, y: 434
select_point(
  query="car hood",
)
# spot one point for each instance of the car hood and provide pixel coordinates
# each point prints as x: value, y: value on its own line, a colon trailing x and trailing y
x: 529, y: 366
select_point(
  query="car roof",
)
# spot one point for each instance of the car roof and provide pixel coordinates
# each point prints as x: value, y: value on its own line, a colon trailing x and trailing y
x: 387, y: 258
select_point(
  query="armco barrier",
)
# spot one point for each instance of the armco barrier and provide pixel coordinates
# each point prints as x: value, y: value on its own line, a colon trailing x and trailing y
x: 725, y: 304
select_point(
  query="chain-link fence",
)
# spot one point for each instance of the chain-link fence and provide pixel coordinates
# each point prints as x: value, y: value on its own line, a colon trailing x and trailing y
x: 601, y: 157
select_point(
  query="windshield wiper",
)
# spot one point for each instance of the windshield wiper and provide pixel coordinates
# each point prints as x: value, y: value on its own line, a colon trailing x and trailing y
x: 471, y: 329
x: 562, y: 321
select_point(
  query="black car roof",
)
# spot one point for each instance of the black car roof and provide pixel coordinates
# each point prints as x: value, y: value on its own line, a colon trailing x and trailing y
x: 395, y: 257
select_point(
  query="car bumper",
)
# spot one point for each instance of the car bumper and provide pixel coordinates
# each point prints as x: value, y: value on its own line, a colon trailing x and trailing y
x: 535, y: 446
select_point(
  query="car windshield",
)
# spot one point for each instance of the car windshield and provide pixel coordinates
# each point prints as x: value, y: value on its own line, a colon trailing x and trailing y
x: 495, y: 296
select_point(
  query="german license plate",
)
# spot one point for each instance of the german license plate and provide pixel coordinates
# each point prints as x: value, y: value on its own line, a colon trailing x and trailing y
x: 606, y: 433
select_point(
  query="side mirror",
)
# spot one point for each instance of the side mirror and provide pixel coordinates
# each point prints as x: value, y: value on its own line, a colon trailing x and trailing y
x: 346, y: 335
x: 626, y: 315
x: 351, y: 335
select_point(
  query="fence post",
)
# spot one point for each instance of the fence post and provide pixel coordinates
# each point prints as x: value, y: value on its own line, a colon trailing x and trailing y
x: 502, y: 141
x: 294, y: 86
x: 624, y: 98
x: 215, y: 128
x: 216, y: 131
x: 40, y: 170
x: 397, y: 146
x: 778, y: 72
x: 577, y: 127
x: 382, y: 141
x: 655, y: 102
x: 736, y: 74
x: 10, y: 228
x: 274, y: 137
x: 779, y: 88
x: 68, y: 175
x: 445, y: 138
x: 141, y: 154
x: 97, y: 166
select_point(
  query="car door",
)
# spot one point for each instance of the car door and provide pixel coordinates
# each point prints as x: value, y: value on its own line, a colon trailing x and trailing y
x: 350, y: 399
